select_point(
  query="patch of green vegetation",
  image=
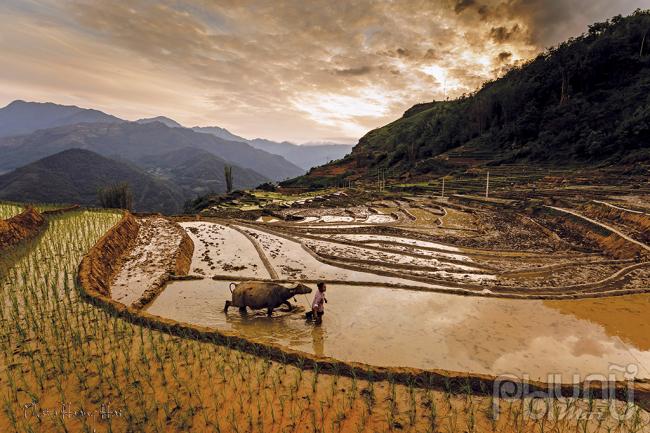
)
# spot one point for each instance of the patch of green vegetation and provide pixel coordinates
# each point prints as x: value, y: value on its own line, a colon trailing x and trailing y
x: 263, y: 195
x: 414, y: 185
x: 9, y: 209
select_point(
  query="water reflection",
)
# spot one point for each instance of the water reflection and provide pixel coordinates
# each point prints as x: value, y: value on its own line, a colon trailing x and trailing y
x: 626, y: 317
x: 391, y: 327
x: 318, y: 340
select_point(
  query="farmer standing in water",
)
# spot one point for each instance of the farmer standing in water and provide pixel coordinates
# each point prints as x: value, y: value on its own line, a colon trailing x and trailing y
x: 318, y: 304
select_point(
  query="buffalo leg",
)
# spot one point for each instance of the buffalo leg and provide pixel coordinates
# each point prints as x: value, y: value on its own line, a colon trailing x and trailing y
x: 269, y: 311
x: 288, y: 304
x: 225, y: 309
x: 242, y: 310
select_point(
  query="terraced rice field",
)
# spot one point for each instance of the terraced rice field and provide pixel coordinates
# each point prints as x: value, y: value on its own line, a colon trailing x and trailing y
x: 427, y: 330
x: 415, y: 283
x: 110, y: 374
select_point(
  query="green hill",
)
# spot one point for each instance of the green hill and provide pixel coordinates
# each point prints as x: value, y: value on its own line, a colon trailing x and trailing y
x: 75, y: 176
x: 199, y: 172
x: 585, y: 102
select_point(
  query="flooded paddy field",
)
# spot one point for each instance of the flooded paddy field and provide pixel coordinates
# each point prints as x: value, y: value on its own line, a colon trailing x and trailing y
x: 395, y: 327
x: 219, y: 249
x: 393, y: 290
x: 292, y: 260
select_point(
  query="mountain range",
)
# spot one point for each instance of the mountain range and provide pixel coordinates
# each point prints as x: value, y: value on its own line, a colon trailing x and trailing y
x: 583, y: 103
x: 179, y: 162
x: 305, y: 155
x: 134, y: 141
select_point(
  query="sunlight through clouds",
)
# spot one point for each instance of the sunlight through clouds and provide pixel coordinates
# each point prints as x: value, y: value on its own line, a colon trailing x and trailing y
x: 341, y: 110
x: 283, y: 70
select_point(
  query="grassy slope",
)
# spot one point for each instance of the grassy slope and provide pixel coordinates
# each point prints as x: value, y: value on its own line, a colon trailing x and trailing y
x: 200, y: 172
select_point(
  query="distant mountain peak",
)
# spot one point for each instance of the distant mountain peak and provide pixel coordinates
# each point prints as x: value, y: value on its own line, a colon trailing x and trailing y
x: 21, y: 117
x: 16, y: 102
x: 162, y: 119
x: 220, y: 132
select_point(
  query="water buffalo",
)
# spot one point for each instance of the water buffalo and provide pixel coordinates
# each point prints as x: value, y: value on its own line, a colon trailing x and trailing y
x: 259, y: 295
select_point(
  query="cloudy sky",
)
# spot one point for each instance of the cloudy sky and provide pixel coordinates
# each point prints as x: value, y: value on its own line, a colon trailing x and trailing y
x: 298, y: 70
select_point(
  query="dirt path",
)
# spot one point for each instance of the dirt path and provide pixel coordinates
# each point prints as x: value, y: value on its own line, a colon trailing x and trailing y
x: 605, y: 226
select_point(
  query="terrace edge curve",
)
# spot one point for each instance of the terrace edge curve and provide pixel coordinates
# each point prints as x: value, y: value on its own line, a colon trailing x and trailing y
x: 93, y: 278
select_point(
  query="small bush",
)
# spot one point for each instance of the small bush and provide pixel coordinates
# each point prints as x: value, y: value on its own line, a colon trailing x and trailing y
x: 267, y: 186
x: 118, y: 196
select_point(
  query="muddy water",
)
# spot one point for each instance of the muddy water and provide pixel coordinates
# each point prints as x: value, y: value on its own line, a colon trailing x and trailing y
x: 405, y: 241
x: 404, y: 245
x: 431, y: 266
x: 222, y: 250
x: 267, y: 219
x: 336, y: 219
x: 290, y: 260
x: 397, y: 258
x: 392, y: 327
x: 626, y: 317
x: 379, y: 219
x: 309, y: 219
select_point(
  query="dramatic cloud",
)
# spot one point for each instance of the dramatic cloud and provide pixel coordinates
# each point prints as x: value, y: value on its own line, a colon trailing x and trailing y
x: 283, y: 69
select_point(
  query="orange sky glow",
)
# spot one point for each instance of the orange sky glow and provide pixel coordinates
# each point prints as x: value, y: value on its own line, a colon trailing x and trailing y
x: 286, y: 69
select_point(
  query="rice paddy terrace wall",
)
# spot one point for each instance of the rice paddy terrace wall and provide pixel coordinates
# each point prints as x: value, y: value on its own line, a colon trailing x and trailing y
x: 25, y: 225
x: 98, y: 267
x: 609, y: 241
x: 637, y: 222
x: 60, y: 211
x: 100, y: 263
x: 183, y: 258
